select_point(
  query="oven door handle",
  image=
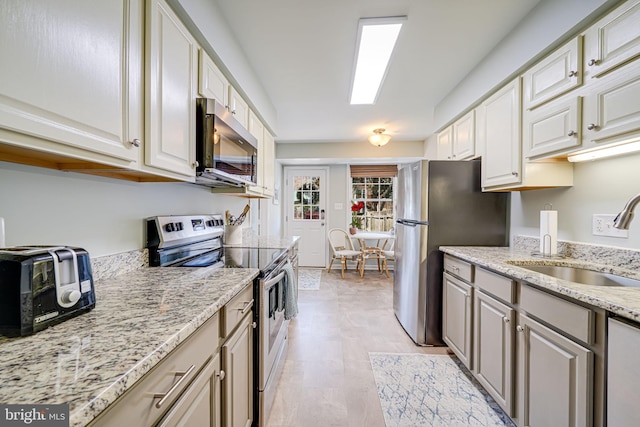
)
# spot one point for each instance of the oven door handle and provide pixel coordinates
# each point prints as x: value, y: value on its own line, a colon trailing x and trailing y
x: 269, y: 283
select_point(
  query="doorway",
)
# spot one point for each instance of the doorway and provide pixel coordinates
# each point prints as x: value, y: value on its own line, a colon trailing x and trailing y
x: 305, y: 212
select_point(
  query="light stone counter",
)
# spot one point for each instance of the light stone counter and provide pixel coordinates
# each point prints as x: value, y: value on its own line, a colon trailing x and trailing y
x: 624, y: 301
x: 91, y: 360
x: 252, y: 240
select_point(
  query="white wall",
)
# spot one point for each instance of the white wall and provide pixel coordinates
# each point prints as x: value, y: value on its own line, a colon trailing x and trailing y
x: 600, y: 187
x: 103, y: 215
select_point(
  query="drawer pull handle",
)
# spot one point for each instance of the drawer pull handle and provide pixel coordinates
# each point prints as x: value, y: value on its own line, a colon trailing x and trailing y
x: 164, y: 396
x: 221, y: 375
x: 247, y: 307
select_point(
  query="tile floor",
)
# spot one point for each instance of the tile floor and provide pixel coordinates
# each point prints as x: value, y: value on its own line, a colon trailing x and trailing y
x: 327, y: 378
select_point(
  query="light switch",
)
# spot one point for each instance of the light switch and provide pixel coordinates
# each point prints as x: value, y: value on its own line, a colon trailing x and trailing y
x: 338, y: 206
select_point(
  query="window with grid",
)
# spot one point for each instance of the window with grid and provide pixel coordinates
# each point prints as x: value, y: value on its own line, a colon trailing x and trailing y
x: 374, y: 187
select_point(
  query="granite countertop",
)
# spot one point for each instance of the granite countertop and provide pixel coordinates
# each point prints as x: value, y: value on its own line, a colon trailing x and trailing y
x: 623, y: 301
x: 252, y: 240
x: 91, y: 360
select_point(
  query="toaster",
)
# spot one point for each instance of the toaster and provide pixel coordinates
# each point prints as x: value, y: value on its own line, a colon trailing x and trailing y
x: 41, y: 286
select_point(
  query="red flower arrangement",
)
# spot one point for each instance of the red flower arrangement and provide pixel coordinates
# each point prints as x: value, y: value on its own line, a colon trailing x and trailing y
x: 355, y: 208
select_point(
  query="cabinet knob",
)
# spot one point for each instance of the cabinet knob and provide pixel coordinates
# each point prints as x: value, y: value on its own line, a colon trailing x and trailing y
x: 573, y: 73
x: 514, y: 173
x: 505, y: 319
x: 233, y: 112
x: 136, y: 143
x: 195, y: 164
x: 594, y: 62
x: 221, y: 375
x: 228, y: 107
x: 519, y: 328
x: 571, y: 133
x: 592, y: 126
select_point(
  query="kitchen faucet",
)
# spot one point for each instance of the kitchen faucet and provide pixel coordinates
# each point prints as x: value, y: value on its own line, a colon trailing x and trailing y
x: 623, y: 219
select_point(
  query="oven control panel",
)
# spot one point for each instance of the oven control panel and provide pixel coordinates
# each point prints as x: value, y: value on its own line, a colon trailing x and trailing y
x: 177, y: 229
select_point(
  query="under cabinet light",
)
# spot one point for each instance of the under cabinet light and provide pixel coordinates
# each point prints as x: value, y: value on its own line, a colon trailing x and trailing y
x: 376, y: 40
x: 610, y: 151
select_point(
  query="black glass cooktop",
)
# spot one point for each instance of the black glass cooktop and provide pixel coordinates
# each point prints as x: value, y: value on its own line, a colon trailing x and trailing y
x: 232, y: 257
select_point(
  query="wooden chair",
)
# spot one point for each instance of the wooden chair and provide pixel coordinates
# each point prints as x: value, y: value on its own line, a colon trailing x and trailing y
x: 389, y: 254
x: 342, y: 249
x: 371, y: 252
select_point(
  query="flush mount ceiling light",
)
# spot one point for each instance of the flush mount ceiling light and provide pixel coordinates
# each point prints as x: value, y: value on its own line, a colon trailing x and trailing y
x: 610, y: 151
x: 376, y: 40
x: 379, y: 138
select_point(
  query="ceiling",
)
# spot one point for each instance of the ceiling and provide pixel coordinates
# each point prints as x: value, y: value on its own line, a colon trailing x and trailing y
x: 303, y: 53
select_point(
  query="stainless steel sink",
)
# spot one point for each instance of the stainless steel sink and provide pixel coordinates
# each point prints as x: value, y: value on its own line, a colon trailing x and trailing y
x: 582, y: 275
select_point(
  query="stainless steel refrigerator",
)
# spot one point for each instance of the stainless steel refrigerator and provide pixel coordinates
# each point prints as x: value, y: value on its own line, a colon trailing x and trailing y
x: 438, y: 203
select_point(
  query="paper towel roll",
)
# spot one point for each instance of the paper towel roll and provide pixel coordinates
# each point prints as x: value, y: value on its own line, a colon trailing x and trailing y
x: 548, y: 232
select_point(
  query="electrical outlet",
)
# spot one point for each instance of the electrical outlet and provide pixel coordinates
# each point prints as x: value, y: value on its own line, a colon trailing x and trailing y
x: 603, y: 226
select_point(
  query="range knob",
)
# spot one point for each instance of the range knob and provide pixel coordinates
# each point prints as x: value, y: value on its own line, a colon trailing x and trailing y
x: 219, y: 222
x: 169, y: 227
x: 71, y: 297
x: 179, y: 226
x: 210, y: 223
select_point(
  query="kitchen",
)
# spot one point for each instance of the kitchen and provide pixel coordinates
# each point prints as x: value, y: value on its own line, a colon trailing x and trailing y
x: 43, y: 205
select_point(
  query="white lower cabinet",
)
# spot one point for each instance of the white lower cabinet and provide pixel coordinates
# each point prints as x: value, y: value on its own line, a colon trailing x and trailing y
x: 200, y: 403
x: 457, y: 320
x: 540, y: 356
x: 555, y: 385
x: 623, y: 373
x: 494, y: 349
x: 237, y: 361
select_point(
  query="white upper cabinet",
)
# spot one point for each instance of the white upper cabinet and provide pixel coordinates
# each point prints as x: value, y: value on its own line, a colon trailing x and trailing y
x: 172, y: 66
x: 464, y: 137
x: 553, y: 127
x: 238, y: 107
x: 499, y: 133
x: 211, y: 82
x: 268, y: 169
x: 613, y: 40
x: 458, y: 141
x: 445, y: 143
x: 71, y: 78
x: 558, y: 73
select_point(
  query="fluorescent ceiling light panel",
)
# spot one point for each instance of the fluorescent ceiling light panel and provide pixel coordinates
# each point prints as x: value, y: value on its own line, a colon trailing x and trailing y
x: 376, y: 40
x: 610, y: 151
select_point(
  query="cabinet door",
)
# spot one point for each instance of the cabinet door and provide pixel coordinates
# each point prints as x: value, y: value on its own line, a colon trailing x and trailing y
x: 494, y: 349
x: 237, y: 362
x: 613, y: 40
x: 72, y: 73
x: 612, y: 107
x: 553, y: 127
x: 623, y: 374
x: 171, y: 77
x: 239, y: 107
x: 464, y: 137
x: 499, y: 131
x: 456, y: 323
x: 256, y: 128
x: 445, y: 143
x: 556, y: 74
x: 268, y: 178
x: 211, y: 82
x: 555, y: 385
x: 200, y: 403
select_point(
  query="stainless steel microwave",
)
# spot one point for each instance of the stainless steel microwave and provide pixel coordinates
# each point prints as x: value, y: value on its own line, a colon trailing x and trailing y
x: 226, y: 152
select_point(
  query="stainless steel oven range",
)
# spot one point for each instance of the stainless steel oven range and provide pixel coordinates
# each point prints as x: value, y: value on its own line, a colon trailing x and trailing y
x: 196, y: 241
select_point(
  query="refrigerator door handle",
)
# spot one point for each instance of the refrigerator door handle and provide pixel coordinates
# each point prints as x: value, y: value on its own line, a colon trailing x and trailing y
x: 411, y: 222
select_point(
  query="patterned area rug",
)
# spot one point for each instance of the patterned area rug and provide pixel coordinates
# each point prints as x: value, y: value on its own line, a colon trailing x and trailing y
x: 309, y: 279
x: 432, y: 390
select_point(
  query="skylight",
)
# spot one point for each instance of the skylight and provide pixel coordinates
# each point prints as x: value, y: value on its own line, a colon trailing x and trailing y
x: 376, y: 40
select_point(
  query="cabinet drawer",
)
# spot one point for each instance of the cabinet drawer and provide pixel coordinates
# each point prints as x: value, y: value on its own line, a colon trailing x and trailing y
x: 236, y: 309
x: 496, y: 285
x: 571, y: 318
x: 459, y: 268
x: 139, y: 402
